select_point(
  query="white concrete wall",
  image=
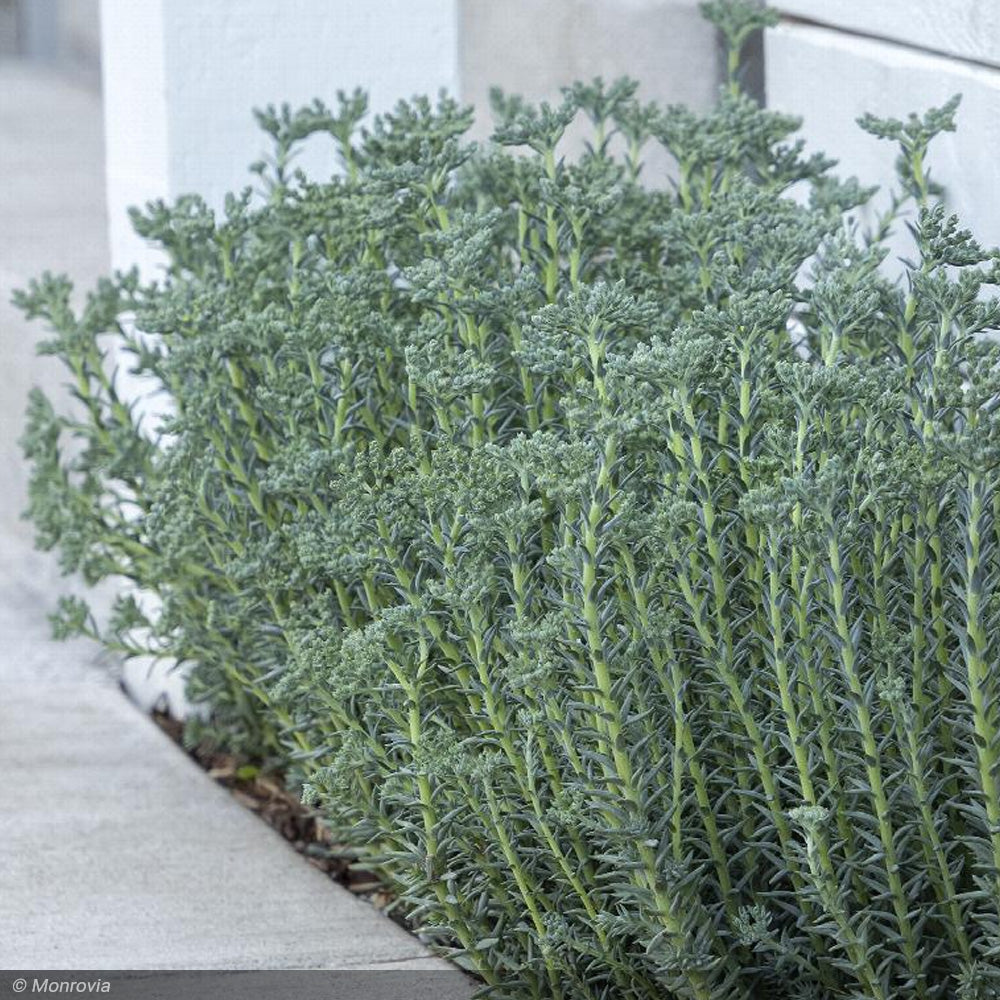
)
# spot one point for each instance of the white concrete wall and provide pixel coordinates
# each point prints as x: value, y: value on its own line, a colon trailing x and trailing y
x: 967, y: 29
x: 181, y: 76
x: 832, y: 60
x: 136, y: 154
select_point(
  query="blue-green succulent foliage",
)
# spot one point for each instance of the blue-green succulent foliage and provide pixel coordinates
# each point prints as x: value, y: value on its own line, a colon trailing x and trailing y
x: 615, y: 565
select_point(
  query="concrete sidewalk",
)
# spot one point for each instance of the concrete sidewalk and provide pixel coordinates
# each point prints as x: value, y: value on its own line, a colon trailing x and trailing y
x: 116, y: 850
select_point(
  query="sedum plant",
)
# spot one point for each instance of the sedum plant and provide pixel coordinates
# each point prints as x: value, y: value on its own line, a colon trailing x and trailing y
x: 613, y: 565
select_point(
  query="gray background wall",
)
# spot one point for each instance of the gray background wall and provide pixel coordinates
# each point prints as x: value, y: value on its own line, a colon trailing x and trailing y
x: 62, y: 33
x: 533, y: 47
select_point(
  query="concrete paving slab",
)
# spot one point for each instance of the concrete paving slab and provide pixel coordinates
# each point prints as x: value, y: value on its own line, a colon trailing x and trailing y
x: 118, y: 852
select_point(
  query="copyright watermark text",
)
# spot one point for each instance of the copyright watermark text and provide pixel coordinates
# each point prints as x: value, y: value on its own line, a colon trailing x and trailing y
x: 47, y: 985
x: 226, y: 984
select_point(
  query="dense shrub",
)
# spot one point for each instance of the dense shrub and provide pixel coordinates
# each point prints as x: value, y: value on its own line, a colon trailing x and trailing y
x: 613, y: 563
